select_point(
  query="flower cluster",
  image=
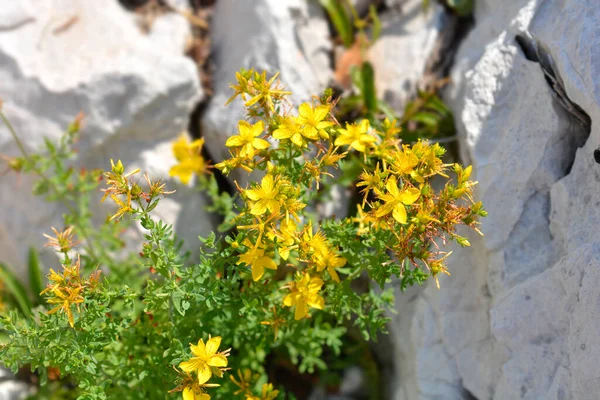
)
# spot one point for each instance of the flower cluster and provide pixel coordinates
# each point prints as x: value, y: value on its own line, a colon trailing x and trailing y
x: 68, y: 289
x: 124, y: 192
x: 244, y: 383
x: 297, y: 152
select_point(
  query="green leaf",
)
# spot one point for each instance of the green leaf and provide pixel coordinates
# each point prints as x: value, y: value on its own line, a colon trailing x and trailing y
x: 35, y: 274
x: 462, y: 7
x: 340, y: 20
x: 40, y: 187
x: 376, y: 23
x: 426, y: 118
x: 180, y: 303
x: 386, y: 109
x: 356, y: 76
x: 368, y: 84
x: 16, y: 289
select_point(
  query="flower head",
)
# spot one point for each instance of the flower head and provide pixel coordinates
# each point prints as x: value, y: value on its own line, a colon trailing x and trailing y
x: 63, y: 241
x: 189, y: 159
x: 290, y: 128
x: 206, y: 360
x: 191, y: 389
x: 256, y: 259
x: 265, y: 197
x: 329, y: 260
x: 305, y: 293
x: 356, y: 136
x: 248, y: 139
x: 313, y: 120
x: 267, y: 393
x: 395, y: 200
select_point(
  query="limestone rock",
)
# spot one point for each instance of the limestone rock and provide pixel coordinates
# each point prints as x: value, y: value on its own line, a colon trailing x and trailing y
x: 135, y: 90
x: 516, y: 318
x: 399, y: 56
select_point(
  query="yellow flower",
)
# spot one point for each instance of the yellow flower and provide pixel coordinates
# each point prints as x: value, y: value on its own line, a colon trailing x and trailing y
x: 256, y: 259
x: 265, y: 196
x: 290, y: 129
x: 312, y: 243
x: 66, y: 297
x: 189, y: 158
x: 190, y: 394
x: 405, y: 161
x: 247, y: 139
x: 305, y: 293
x: 312, y: 120
x: 267, y: 393
x: 437, y: 266
x: 206, y: 360
x: 245, y: 382
x: 395, y: 200
x: 371, y: 181
x: 259, y: 87
x: 124, y: 206
x: 275, y: 323
x: 330, y: 260
x: 355, y: 136
x: 286, y: 237
x: 192, y: 390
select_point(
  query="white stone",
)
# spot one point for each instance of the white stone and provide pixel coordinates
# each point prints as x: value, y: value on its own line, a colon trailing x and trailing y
x: 136, y: 92
x: 518, y: 317
x: 407, y: 40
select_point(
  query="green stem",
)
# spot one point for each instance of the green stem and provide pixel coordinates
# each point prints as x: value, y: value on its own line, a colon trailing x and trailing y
x: 53, y: 185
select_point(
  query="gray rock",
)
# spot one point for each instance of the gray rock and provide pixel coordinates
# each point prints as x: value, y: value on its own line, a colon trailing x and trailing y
x: 135, y: 90
x: 518, y: 317
x: 399, y: 56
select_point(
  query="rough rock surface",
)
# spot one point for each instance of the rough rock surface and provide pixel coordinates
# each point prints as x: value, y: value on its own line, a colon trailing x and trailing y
x: 60, y: 57
x: 286, y: 36
x: 519, y: 316
x: 408, y: 38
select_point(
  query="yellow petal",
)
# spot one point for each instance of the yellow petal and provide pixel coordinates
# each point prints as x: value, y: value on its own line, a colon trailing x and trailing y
x: 316, y: 301
x: 182, y: 172
x: 257, y: 271
x: 188, y: 394
x: 192, y: 365
x: 392, y: 186
x: 333, y: 273
x: 410, y: 195
x: 204, y: 374
x: 260, y: 144
x: 305, y: 110
x: 315, y: 285
x: 180, y: 148
x: 199, y: 350
x: 301, y: 310
x: 358, y: 145
x: 267, y: 183
x: 217, y: 360
x: 253, y: 194
x: 259, y: 208
x: 399, y: 213
x: 291, y: 299
x: 258, y: 128
x: 297, y: 140
x: 212, y: 346
x: 321, y: 112
x: 235, y: 141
